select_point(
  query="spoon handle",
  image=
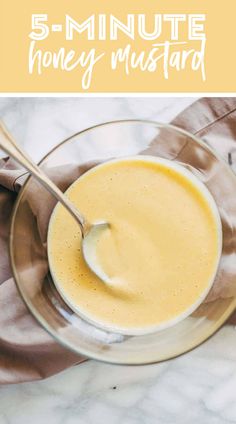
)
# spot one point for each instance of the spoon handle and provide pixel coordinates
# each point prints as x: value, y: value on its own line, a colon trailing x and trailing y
x: 8, y: 144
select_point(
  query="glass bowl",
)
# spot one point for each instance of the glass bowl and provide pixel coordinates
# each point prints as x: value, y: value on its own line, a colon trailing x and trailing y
x: 28, y: 240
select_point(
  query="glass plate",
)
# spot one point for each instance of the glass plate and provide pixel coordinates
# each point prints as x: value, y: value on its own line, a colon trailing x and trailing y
x: 28, y: 240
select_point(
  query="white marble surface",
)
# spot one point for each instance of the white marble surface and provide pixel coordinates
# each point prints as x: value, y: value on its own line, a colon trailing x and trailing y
x: 199, y: 387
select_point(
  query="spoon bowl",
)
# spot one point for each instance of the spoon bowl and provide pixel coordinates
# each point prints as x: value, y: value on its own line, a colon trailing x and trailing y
x: 89, y: 249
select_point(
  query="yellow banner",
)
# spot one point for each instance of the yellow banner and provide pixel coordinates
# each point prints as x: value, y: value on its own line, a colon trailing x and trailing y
x: 118, y: 46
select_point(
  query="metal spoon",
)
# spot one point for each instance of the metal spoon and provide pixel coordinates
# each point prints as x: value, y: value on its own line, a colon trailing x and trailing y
x: 90, y: 232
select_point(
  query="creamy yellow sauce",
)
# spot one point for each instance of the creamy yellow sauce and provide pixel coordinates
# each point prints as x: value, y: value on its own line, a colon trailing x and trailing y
x: 161, y: 251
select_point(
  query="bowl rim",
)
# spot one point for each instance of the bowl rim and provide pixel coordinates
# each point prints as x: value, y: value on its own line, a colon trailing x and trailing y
x: 99, y: 356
